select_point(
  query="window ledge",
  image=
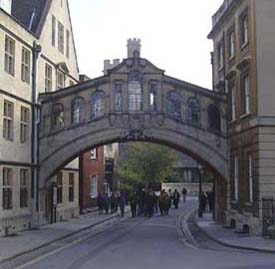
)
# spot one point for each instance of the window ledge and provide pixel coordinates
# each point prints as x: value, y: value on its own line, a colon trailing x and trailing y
x: 248, y: 204
x: 245, y: 115
x: 232, y: 121
x: 244, y: 45
x: 234, y: 202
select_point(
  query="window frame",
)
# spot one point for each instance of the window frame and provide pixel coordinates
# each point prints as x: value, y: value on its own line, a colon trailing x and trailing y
x: 9, y: 62
x: 8, y: 120
x: 93, y: 186
x: 60, y: 79
x: 94, y: 154
x: 244, y: 28
x: 58, y: 120
x: 7, y: 188
x: 59, y: 183
x: 61, y: 37
x: 53, y: 31
x: 25, y: 65
x: 48, y: 78
x: 23, y: 188
x: 173, y: 105
x: 71, y: 187
x: 24, y: 124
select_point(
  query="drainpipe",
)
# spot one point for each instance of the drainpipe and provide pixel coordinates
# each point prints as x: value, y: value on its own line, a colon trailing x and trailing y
x: 35, y: 129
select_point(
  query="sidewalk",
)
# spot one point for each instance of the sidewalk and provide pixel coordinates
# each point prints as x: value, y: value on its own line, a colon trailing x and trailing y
x: 229, y: 237
x: 27, y: 241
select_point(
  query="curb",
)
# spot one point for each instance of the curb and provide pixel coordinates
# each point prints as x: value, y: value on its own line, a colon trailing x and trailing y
x: 219, y: 241
x: 56, y: 240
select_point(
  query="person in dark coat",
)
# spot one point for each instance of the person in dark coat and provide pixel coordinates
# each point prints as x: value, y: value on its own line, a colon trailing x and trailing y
x: 122, y: 203
x: 150, y: 203
x: 176, y: 199
x: 100, y: 203
x: 184, y: 193
x: 106, y: 203
x: 133, y: 203
x: 113, y: 202
x: 161, y: 201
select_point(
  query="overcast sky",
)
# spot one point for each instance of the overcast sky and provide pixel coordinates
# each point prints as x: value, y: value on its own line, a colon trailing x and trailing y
x: 173, y: 34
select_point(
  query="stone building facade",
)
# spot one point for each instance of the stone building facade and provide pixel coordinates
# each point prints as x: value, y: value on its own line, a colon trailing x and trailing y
x: 37, y: 54
x: 243, y: 67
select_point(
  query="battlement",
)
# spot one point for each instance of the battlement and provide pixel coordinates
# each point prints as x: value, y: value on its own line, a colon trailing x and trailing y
x: 108, y: 64
x: 134, y: 47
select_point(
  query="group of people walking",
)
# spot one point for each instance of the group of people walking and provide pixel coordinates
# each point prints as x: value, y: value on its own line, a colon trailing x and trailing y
x: 147, y: 203
x: 106, y: 203
x: 142, y: 202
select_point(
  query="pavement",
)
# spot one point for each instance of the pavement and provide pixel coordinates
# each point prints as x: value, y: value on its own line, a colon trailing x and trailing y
x: 229, y: 237
x: 27, y: 241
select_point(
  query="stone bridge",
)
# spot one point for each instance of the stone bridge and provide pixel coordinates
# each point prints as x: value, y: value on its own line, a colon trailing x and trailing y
x: 133, y: 101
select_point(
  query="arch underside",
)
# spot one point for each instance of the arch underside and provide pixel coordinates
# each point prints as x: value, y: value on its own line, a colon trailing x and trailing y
x: 206, y: 147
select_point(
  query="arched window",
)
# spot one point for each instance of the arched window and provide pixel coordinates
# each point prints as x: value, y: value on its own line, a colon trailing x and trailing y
x: 173, y: 104
x: 118, y: 97
x: 77, y: 110
x: 135, y: 91
x: 214, y: 118
x: 153, y: 98
x: 193, y: 110
x: 97, y: 105
x: 58, y: 116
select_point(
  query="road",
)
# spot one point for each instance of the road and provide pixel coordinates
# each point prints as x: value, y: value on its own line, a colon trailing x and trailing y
x: 146, y: 243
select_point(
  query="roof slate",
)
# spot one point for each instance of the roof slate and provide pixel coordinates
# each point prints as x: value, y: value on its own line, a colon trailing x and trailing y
x: 23, y: 10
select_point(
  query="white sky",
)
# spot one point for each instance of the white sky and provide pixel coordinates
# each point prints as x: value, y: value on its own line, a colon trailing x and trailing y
x: 173, y: 34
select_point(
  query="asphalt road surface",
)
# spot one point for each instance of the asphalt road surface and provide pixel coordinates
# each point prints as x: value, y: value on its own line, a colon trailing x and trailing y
x: 147, y: 243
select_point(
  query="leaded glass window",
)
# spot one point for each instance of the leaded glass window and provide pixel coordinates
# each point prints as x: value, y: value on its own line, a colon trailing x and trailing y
x: 118, y: 97
x: 135, y: 91
x: 174, y: 104
x: 153, y: 98
x: 77, y: 111
x: 58, y: 116
x: 193, y: 110
x: 214, y: 118
x: 98, y: 105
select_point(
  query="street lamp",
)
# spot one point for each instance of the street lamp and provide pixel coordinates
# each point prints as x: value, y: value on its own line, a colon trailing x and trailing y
x: 200, y: 213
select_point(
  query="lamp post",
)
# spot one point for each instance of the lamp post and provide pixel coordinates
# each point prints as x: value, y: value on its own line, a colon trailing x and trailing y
x: 200, y: 213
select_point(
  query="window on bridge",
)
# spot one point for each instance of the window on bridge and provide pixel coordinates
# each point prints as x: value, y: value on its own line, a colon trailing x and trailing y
x: 135, y: 91
x: 58, y: 117
x: 97, y: 105
x: 214, y: 118
x: 193, y: 110
x: 153, y: 98
x: 118, y: 97
x: 77, y: 110
x: 174, y: 105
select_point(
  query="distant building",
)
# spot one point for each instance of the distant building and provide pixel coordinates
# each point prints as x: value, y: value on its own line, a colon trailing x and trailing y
x: 243, y: 35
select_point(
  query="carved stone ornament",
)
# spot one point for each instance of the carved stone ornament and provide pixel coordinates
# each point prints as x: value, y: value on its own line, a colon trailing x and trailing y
x: 112, y: 119
x: 160, y: 119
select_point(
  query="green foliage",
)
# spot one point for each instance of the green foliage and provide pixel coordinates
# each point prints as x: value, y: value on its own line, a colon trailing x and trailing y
x: 145, y: 164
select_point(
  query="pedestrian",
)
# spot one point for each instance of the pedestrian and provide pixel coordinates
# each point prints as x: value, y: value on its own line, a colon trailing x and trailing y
x: 106, y: 202
x: 161, y: 201
x: 133, y: 203
x: 122, y: 202
x: 149, y: 203
x: 100, y: 203
x: 176, y: 199
x: 167, y: 203
x: 170, y: 194
x: 203, y: 201
x: 155, y: 203
x: 184, y: 193
x: 140, y: 202
x: 113, y: 202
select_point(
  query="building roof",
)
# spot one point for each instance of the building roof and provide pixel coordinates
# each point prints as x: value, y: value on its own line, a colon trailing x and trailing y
x: 31, y: 13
